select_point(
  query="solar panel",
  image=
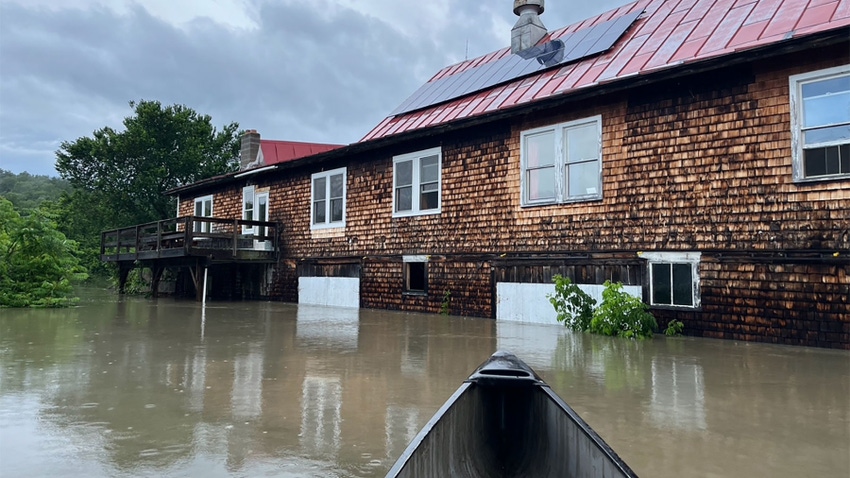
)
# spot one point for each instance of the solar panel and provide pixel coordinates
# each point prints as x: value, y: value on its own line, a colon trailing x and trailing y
x: 569, y: 48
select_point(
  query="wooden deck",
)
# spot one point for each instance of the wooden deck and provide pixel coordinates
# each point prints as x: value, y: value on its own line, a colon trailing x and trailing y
x: 216, y: 240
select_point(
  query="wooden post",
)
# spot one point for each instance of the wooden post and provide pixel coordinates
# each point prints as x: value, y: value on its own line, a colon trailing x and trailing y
x: 204, y: 295
x: 123, y: 273
x: 198, y: 290
x: 156, y: 270
x: 235, y: 235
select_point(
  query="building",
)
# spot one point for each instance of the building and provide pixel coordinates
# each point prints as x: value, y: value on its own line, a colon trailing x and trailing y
x: 697, y: 151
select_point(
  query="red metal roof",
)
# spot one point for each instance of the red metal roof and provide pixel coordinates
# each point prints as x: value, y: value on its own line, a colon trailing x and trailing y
x: 669, y: 33
x: 275, y: 152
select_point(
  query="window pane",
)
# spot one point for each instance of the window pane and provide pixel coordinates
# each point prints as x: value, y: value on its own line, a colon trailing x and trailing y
x: 540, y: 150
x: 208, y: 208
x: 824, y: 87
x: 336, y: 186
x: 336, y: 210
x: 429, y: 170
x: 319, y: 212
x: 319, y: 189
x: 415, y: 279
x: 661, y: 293
x: 582, y: 143
x: 541, y: 184
x: 404, y: 199
x: 263, y: 208
x: 583, y: 179
x: 404, y: 173
x: 827, y: 109
x: 683, y: 286
x: 199, y: 208
x: 428, y: 201
x: 815, y: 161
x: 844, y: 153
x: 826, y: 135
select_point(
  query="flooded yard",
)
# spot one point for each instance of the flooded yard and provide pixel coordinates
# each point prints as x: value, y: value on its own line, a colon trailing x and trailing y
x: 133, y: 387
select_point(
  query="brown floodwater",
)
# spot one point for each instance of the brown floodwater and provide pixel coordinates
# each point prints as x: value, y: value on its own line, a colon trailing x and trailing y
x: 135, y: 387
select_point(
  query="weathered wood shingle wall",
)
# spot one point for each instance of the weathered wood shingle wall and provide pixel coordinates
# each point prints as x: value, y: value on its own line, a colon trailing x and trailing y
x: 699, y: 163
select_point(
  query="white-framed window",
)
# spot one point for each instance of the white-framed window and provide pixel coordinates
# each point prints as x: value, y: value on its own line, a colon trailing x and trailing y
x: 673, y: 278
x: 562, y: 163
x: 820, y: 124
x: 415, y: 274
x: 417, y: 184
x: 328, y: 199
x: 203, y: 208
x: 247, y: 208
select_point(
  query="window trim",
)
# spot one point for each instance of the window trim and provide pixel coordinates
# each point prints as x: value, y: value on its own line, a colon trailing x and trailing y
x: 795, y: 86
x: 416, y: 182
x: 561, y: 163
x: 200, y: 226
x: 328, y: 224
x: 417, y: 259
x: 691, y: 258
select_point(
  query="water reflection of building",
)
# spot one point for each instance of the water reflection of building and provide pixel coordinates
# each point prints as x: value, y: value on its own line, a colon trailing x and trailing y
x: 678, y: 394
x: 321, y: 415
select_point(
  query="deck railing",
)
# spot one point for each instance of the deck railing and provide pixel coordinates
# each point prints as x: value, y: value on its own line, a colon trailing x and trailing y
x: 186, y: 236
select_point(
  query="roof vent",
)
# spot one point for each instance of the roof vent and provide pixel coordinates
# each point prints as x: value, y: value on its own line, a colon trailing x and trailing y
x: 529, y: 30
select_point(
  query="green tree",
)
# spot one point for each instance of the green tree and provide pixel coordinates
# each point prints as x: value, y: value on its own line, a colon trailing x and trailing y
x: 122, y: 175
x: 28, y: 192
x: 38, y: 266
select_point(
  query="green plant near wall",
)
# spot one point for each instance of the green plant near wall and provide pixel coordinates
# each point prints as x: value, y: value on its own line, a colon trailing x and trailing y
x: 619, y: 314
x: 573, y: 306
x: 446, y: 305
x: 674, y: 328
x: 622, y: 314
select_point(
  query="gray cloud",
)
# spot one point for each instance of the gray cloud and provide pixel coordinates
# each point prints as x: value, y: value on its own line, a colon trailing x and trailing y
x: 309, y: 74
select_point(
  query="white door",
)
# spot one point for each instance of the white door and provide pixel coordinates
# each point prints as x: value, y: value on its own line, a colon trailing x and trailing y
x: 261, y: 213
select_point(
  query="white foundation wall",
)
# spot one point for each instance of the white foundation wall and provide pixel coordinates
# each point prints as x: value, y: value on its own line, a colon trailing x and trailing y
x: 528, y: 303
x: 329, y: 291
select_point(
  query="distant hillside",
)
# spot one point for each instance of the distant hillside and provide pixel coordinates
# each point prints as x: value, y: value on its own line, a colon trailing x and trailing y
x: 26, y: 191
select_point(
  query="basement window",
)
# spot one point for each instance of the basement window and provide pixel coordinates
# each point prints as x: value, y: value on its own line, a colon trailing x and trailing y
x: 415, y: 275
x: 673, y: 278
x: 562, y: 163
x: 820, y: 124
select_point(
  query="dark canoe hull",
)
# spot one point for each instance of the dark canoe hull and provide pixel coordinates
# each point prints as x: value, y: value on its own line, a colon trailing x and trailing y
x: 504, y: 421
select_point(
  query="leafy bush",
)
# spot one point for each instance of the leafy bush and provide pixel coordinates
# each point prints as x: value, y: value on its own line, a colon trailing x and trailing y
x: 38, y: 265
x: 675, y: 327
x: 573, y: 306
x: 619, y: 314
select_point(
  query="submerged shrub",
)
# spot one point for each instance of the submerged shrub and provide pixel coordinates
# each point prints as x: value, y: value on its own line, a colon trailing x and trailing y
x: 573, y: 306
x: 619, y: 314
x: 622, y: 314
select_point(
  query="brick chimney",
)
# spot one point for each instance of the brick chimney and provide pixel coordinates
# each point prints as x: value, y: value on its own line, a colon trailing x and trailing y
x: 250, y: 149
x: 529, y: 30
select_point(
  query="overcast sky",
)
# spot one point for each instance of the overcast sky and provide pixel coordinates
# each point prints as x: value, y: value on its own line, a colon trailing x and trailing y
x: 319, y: 71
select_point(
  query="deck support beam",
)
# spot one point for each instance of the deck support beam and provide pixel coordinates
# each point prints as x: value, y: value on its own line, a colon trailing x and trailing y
x: 123, y: 273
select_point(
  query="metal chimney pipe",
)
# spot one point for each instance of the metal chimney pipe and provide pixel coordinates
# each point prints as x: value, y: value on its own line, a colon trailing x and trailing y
x: 528, y: 30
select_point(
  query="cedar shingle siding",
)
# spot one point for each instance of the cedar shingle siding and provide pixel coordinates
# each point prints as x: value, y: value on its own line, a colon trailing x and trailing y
x: 698, y: 163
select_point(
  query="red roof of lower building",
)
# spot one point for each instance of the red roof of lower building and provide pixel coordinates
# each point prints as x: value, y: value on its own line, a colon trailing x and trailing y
x: 275, y: 152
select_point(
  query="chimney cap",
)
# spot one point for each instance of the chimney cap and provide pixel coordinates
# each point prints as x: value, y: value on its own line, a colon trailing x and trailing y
x: 520, y: 5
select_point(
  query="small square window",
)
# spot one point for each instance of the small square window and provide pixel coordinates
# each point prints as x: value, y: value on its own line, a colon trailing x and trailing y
x: 673, y: 278
x: 415, y: 274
